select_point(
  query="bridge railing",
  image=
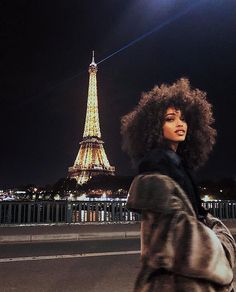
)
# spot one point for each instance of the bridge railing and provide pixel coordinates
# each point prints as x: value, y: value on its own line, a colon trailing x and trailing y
x: 221, y: 209
x: 46, y: 212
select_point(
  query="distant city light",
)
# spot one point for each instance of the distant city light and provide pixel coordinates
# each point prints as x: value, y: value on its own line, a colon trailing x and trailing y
x: 207, y: 198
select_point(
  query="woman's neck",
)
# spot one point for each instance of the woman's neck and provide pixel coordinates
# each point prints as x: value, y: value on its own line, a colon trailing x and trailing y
x: 173, y: 146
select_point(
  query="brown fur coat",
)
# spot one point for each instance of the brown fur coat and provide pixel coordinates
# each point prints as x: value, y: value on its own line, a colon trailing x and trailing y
x: 179, y: 253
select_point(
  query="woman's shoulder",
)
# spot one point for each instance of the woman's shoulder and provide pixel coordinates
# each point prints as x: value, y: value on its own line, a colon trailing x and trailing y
x: 152, y: 181
x: 160, y: 160
x: 151, y: 190
x: 155, y: 160
x: 158, y: 193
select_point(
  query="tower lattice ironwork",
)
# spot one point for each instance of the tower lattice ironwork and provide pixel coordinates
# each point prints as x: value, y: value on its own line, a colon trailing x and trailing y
x: 91, y: 159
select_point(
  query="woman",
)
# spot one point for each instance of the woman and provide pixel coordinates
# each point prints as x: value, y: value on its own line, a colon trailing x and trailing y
x: 183, y: 248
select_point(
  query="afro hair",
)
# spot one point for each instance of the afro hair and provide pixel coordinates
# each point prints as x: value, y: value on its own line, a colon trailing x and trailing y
x: 141, y: 129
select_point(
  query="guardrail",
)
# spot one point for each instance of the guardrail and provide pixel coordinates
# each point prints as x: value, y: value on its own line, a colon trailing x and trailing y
x: 47, y: 212
x: 16, y: 212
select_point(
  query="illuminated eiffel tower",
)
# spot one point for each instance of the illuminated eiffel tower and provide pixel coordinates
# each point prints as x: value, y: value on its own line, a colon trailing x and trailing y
x: 91, y: 159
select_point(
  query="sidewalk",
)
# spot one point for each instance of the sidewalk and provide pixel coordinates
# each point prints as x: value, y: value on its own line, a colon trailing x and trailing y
x: 63, y: 232
x: 66, y: 232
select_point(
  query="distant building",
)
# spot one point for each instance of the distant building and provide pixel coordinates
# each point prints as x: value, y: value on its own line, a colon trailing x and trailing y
x: 91, y: 159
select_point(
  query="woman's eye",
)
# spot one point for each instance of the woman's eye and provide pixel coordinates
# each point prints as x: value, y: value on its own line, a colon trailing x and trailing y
x: 169, y: 119
x: 182, y: 119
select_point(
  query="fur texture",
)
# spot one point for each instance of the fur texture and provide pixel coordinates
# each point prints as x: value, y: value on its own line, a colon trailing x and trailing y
x: 179, y: 253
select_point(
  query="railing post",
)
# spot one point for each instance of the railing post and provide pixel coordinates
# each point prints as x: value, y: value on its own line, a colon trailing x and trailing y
x: 38, y: 208
x: 69, y: 212
x: 80, y: 212
x: 113, y: 218
x: 48, y: 213
x: 19, y: 213
x: 29, y: 213
x: 1, y: 207
x: 9, y: 213
x: 57, y: 212
x: 233, y: 210
x: 96, y: 212
x: 226, y: 206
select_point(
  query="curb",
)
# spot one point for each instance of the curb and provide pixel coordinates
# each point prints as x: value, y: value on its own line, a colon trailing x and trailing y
x: 33, y: 235
x: 68, y: 237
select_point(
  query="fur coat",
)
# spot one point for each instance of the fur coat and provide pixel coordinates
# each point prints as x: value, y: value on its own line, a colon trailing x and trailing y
x: 178, y: 252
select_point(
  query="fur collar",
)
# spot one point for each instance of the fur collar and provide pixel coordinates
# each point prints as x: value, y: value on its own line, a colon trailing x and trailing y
x: 157, y: 192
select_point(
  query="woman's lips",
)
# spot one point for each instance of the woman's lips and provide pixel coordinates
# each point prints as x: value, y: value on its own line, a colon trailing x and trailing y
x: 180, y: 132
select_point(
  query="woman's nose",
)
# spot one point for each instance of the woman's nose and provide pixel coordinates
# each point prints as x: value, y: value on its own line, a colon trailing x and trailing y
x: 180, y: 123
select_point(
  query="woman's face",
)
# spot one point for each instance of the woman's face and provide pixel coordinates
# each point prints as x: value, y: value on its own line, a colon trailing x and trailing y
x: 174, y: 127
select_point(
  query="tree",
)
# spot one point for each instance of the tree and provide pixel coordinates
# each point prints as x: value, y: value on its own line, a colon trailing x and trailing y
x: 63, y: 186
x: 119, y: 185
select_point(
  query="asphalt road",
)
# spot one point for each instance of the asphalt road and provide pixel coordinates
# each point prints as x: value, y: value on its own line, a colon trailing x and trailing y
x: 67, y: 247
x: 86, y: 266
x: 25, y: 268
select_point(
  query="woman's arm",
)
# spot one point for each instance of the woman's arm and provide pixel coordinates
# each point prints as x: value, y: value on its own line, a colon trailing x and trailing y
x: 173, y: 238
x: 224, y: 235
x: 181, y: 244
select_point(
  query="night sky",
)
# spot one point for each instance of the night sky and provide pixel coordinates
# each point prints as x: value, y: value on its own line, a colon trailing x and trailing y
x: 46, y: 47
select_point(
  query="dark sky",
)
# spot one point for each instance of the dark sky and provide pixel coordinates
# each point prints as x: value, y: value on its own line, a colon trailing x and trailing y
x: 45, y: 52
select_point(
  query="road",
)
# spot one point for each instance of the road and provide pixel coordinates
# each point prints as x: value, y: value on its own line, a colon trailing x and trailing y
x: 68, y: 266
x: 83, y: 266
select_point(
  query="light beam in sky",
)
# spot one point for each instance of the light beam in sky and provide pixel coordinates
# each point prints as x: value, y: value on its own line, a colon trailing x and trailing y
x: 155, y: 29
x: 138, y: 39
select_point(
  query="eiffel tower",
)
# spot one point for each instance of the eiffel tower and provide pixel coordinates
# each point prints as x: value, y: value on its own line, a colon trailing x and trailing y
x: 91, y: 159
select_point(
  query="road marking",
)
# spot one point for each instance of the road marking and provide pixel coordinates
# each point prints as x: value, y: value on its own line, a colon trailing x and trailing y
x: 68, y: 256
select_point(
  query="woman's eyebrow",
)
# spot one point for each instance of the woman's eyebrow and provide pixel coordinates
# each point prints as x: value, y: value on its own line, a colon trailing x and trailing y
x: 170, y: 114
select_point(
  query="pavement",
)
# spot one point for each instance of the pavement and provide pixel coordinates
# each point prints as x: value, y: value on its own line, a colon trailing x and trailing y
x: 66, y: 232
x: 70, y: 232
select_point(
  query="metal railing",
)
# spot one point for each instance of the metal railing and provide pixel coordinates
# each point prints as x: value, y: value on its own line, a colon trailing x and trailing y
x: 221, y: 209
x: 46, y: 212
x: 39, y: 212
x: 16, y: 212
